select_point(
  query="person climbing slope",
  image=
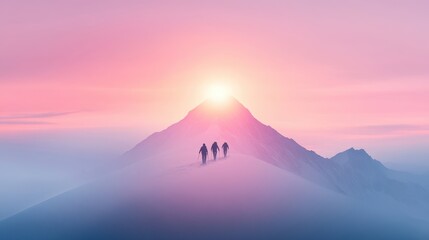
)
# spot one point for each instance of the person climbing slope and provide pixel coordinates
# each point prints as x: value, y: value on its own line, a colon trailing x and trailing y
x: 204, y: 152
x: 214, y: 149
x: 225, y: 148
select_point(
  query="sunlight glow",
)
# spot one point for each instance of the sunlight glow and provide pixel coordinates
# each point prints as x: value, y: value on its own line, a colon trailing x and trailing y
x: 218, y: 93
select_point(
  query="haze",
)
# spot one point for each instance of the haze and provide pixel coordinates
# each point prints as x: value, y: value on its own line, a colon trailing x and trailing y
x: 331, y: 75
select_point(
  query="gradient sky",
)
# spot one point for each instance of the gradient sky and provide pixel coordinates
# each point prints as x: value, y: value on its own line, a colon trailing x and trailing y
x: 331, y: 75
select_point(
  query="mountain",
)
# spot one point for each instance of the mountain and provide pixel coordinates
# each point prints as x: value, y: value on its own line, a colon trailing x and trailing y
x: 352, y: 172
x: 364, y: 177
x: 234, y: 123
x: 268, y: 187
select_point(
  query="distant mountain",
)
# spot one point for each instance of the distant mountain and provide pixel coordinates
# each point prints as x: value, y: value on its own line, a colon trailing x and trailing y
x: 365, y: 177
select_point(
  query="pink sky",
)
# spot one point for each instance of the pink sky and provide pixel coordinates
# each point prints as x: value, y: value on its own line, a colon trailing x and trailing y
x: 330, y: 75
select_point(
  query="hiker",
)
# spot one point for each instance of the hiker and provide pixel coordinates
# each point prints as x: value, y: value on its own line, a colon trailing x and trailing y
x: 204, y: 152
x: 225, y: 148
x: 214, y: 149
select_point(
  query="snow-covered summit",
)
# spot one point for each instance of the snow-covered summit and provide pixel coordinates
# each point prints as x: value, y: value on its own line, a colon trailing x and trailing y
x: 230, y: 122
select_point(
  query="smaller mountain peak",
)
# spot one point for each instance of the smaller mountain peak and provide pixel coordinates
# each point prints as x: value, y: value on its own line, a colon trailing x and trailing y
x: 354, y: 150
x: 358, y: 159
x: 353, y: 153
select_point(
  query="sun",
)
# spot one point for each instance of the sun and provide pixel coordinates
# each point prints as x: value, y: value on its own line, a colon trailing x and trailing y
x: 218, y: 92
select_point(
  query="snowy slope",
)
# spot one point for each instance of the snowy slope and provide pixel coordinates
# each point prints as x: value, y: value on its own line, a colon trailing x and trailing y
x: 238, y: 197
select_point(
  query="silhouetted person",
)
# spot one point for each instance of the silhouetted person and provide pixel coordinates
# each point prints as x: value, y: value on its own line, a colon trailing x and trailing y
x: 214, y: 149
x: 204, y: 152
x: 225, y: 148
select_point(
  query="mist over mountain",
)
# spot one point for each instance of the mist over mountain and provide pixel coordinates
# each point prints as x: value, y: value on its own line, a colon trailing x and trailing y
x: 269, y: 186
x: 352, y: 172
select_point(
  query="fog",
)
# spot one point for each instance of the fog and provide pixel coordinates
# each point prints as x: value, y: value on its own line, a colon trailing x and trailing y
x: 36, y: 165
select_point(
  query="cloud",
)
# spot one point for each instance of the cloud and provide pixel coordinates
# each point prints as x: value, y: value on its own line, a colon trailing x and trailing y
x: 35, y: 115
x: 387, y: 129
x: 24, y: 123
x: 31, y: 118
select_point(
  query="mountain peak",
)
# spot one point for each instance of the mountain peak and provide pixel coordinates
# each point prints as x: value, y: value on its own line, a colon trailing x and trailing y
x: 354, y: 154
x: 211, y: 110
x: 358, y: 159
x: 225, y: 104
x: 357, y: 152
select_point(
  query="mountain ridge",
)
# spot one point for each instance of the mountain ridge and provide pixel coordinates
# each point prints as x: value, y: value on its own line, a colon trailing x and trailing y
x: 351, y: 172
x: 266, y: 187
